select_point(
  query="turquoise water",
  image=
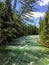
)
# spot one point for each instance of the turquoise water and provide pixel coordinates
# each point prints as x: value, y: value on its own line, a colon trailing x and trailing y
x: 27, y: 52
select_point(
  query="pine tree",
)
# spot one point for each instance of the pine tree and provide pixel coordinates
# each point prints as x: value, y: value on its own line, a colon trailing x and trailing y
x: 44, y: 29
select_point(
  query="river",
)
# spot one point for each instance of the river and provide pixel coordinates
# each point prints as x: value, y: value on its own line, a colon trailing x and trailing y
x: 25, y: 51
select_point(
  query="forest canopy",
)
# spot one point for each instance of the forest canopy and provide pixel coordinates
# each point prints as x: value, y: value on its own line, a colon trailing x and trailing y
x: 44, y: 29
x: 11, y: 24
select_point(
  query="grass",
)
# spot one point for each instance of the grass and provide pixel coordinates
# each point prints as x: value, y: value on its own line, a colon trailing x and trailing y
x: 27, y: 52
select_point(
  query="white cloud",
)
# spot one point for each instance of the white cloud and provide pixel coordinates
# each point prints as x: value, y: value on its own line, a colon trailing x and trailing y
x: 43, y: 2
x: 37, y: 14
x: 32, y: 15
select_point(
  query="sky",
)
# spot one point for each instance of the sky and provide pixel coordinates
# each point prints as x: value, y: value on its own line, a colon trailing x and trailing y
x: 41, y: 6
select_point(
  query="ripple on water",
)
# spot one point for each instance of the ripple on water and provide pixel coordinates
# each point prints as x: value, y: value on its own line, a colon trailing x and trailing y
x: 31, y: 63
x: 13, y: 64
x: 31, y: 51
x: 25, y: 53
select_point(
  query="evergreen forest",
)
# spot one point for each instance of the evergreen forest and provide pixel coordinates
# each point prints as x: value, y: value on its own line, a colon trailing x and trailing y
x: 24, y: 32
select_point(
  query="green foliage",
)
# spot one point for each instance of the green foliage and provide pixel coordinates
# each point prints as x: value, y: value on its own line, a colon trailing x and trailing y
x: 8, y: 29
x: 11, y: 24
x: 26, y: 6
x: 44, y: 30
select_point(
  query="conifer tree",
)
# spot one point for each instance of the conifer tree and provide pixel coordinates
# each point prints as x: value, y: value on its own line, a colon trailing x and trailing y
x: 44, y: 29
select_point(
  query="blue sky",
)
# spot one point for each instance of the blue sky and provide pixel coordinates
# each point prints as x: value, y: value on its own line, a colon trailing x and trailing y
x: 42, y: 6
